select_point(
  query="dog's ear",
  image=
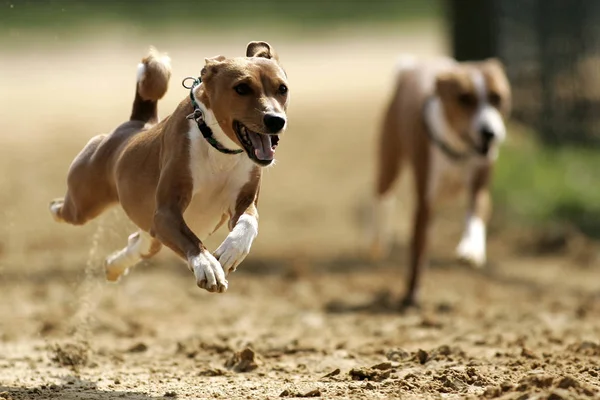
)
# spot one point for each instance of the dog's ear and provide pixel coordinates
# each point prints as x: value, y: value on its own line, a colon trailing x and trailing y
x: 261, y: 49
x: 495, y: 63
x: 501, y: 83
x: 211, y: 65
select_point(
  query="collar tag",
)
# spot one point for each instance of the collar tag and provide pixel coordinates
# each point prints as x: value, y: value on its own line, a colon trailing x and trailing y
x: 196, y: 116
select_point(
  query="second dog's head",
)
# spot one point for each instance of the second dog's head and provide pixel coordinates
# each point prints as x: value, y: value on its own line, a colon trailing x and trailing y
x: 476, y: 99
x: 249, y: 98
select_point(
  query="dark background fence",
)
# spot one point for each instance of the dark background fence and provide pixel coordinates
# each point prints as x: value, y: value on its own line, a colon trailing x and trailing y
x: 551, y: 49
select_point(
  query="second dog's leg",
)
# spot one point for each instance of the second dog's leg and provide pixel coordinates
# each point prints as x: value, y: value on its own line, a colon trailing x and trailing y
x: 381, y: 229
x: 418, y: 252
x: 472, y: 247
x: 140, y: 245
x: 426, y: 183
x: 388, y: 171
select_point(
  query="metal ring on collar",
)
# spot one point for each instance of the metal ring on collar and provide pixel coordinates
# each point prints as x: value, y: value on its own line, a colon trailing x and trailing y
x: 195, y: 82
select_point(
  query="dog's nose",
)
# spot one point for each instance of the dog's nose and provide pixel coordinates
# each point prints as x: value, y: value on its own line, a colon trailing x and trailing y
x: 274, y: 122
x: 487, y: 134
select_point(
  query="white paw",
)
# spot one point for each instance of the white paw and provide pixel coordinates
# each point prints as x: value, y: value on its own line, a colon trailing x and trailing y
x: 472, y: 245
x: 237, y: 244
x: 472, y: 250
x: 55, y: 206
x: 208, y: 272
x: 232, y: 252
x: 117, y: 265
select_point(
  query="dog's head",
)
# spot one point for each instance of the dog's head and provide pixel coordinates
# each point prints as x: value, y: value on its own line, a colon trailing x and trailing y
x: 476, y: 99
x: 249, y: 97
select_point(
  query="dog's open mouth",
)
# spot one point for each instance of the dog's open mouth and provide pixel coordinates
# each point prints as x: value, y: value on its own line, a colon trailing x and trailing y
x: 259, y: 146
x: 484, y: 149
x: 481, y: 149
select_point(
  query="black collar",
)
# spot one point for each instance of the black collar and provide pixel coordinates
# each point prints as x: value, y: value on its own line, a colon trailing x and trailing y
x: 455, y: 155
x: 198, y: 116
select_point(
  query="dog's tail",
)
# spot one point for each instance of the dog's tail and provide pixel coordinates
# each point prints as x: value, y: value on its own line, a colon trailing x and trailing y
x: 153, y: 77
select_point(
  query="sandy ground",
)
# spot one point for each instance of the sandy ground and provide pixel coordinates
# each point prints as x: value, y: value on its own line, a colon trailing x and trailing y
x: 306, y: 315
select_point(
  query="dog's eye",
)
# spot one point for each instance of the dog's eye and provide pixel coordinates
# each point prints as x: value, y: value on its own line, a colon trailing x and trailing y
x: 495, y: 99
x: 467, y: 100
x: 282, y: 89
x: 242, y: 89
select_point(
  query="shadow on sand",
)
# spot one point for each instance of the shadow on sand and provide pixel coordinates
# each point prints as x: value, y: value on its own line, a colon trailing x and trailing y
x: 70, y: 389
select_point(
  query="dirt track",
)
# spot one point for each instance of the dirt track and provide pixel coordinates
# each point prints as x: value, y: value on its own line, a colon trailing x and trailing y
x: 306, y: 316
x: 156, y: 334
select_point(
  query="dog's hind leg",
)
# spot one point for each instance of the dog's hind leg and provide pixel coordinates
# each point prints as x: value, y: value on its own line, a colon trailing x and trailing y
x: 88, y: 192
x: 75, y: 212
x: 140, y: 246
x: 388, y: 171
x: 381, y: 229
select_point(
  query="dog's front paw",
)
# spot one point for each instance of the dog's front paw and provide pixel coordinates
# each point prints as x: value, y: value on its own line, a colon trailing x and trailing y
x: 472, y: 251
x: 237, y: 244
x: 231, y: 253
x: 471, y: 248
x: 208, y: 272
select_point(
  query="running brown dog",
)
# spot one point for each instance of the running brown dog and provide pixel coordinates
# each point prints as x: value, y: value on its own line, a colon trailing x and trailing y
x: 206, y: 157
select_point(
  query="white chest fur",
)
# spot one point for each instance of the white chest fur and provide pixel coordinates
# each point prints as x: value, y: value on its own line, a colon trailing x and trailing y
x: 217, y: 181
x: 448, y: 177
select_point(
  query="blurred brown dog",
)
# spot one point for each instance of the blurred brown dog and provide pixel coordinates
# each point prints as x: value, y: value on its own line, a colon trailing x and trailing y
x: 207, y: 154
x: 447, y: 120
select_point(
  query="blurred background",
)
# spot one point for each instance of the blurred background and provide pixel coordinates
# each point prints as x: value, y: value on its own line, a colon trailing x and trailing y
x: 67, y: 73
x: 551, y: 52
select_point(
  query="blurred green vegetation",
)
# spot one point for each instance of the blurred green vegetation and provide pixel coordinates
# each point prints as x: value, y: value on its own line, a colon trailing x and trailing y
x: 203, y: 14
x: 539, y: 184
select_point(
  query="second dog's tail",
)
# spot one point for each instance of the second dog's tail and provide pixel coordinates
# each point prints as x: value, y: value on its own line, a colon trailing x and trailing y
x: 153, y: 77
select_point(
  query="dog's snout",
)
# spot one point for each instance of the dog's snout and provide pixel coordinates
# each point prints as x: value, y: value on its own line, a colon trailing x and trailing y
x: 274, y: 122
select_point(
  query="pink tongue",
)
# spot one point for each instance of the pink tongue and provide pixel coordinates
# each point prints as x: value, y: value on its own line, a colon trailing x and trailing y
x: 262, y: 146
